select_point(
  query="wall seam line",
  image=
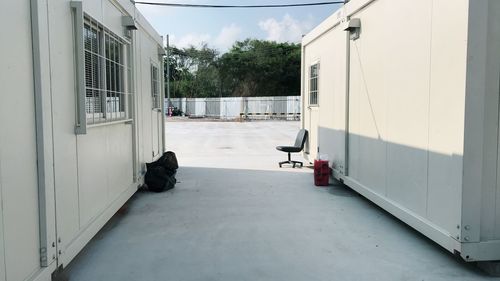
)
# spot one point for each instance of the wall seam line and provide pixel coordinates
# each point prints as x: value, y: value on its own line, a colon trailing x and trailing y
x: 429, y: 111
x: 2, y: 224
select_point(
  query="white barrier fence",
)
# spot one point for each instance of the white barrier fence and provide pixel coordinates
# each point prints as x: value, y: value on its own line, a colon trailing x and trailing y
x: 240, y: 107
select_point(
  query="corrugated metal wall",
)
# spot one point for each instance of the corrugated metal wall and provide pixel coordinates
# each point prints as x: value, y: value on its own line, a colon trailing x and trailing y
x: 287, y: 108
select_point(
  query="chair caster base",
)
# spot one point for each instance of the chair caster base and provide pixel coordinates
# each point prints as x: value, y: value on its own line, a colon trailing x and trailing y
x: 293, y: 163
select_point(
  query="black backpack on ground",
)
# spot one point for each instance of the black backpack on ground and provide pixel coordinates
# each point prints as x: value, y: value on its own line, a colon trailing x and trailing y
x: 160, y: 175
x: 169, y: 161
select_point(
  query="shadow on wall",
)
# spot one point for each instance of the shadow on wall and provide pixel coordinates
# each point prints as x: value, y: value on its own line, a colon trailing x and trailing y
x: 425, y: 182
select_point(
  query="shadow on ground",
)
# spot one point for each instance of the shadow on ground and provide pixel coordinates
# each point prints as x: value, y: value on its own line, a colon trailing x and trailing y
x: 237, y: 224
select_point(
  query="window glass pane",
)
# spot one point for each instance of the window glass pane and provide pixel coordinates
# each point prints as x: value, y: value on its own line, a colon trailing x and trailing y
x: 155, y: 96
x: 92, y: 69
x: 104, y: 74
x: 313, y: 84
x: 115, y: 89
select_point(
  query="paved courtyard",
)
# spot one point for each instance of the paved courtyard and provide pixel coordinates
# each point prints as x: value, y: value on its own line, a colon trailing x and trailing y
x: 235, y: 215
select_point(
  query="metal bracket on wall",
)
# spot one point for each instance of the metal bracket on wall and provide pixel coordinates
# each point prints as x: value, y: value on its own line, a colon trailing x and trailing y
x: 43, y: 256
x: 353, y: 26
x: 129, y: 23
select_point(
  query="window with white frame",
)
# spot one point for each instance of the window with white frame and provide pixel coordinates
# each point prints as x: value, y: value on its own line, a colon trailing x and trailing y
x: 155, y: 93
x: 105, y: 69
x: 313, y: 84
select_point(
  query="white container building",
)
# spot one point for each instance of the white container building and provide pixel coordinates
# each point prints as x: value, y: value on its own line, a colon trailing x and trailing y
x: 403, y: 96
x: 80, y: 115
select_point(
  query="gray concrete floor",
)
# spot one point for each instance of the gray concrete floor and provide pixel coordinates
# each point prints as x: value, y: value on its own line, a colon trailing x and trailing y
x: 236, y: 216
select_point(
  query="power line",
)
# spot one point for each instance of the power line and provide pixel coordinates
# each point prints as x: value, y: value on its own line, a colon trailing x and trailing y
x: 238, y: 6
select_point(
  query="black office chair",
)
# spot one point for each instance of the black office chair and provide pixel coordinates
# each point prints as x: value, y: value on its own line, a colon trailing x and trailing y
x: 300, y: 141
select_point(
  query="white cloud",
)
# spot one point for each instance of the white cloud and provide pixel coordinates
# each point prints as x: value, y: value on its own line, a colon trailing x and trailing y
x: 191, y: 39
x: 286, y: 30
x: 227, y: 36
x: 223, y: 41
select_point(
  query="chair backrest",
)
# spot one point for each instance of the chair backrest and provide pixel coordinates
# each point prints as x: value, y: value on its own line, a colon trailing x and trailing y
x: 300, y: 141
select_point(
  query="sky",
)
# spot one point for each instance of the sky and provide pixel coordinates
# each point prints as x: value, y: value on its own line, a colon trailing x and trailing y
x: 220, y: 28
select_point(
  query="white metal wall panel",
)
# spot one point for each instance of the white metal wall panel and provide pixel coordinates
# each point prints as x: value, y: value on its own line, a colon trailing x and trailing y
x: 63, y: 98
x: 231, y: 107
x: 184, y: 105
x: 92, y: 8
x: 145, y: 93
x: 390, y: 105
x: 139, y: 101
x: 87, y: 169
x: 112, y: 18
x: 119, y: 161
x: 18, y: 155
x: 293, y: 105
x: 3, y: 273
x: 200, y: 109
x: 92, y: 169
x: 311, y: 113
x: 423, y: 115
x: 312, y: 142
x: 368, y: 103
x: 446, y: 113
x: 480, y: 130
x: 331, y: 50
x: 494, y: 25
x: 490, y: 217
x: 103, y: 179
x: 151, y: 129
x: 336, y: 122
x: 407, y: 89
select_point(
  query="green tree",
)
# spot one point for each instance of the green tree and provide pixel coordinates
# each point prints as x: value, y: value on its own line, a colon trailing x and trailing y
x: 249, y: 68
x: 261, y: 68
x: 193, y: 72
